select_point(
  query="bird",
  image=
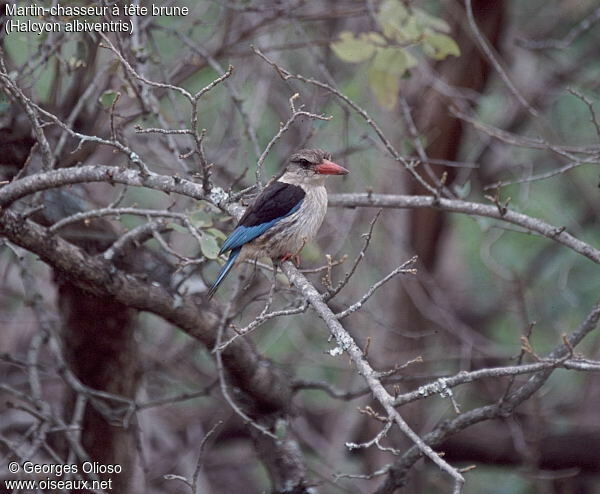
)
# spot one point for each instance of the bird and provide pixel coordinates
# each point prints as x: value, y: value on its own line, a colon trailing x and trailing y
x: 284, y: 216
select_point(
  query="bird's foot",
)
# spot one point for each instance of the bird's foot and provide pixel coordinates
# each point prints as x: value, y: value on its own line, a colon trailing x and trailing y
x: 295, y: 258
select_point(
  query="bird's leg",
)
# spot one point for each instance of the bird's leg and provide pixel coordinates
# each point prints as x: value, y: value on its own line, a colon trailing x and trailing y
x: 297, y: 254
x: 295, y: 257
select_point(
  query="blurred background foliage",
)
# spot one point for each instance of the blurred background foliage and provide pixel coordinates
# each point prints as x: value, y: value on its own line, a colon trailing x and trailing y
x: 482, y: 284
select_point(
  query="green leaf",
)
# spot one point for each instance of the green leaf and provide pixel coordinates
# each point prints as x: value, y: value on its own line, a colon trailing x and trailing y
x: 208, y: 245
x: 217, y: 233
x: 393, y: 60
x: 439, y: 46
x: 385, y: 86
x: 375, y: 38
x: 200, y: 218
x: 177, y: 227
x: 351, y: 49
x: 411, y: 32
x: 427, y: 20
x: 411, y: 25
x: 391, y: 16
x: 393, y: 10
x: 107, y: 98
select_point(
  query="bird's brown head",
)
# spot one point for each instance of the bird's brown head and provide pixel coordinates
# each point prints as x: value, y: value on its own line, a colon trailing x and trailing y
x: 314, y: 162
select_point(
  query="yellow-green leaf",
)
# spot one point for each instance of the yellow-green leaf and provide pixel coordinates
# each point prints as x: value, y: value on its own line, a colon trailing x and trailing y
x: 385, y: 86
x: 200, y: 218
x: 439, y: 46
x: 107, y: 98
x: 412, y: 31
x: 351, y: 49
x: 178, y: 228
x: 217, y: 233
x: 428, y: 20
x: 393, y: 10
x: 392, y: 14
x: 375, y: 38
x: 393, y: 60
x: 209, y: 247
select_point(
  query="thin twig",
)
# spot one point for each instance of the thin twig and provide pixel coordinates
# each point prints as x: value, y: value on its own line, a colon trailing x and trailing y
x: 410, y: 165
x: 284, y: 128
x: 489, y: 53
x: 402, y: 269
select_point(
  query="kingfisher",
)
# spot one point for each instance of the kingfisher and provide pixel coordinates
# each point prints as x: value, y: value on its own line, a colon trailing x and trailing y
x: 284, y: 216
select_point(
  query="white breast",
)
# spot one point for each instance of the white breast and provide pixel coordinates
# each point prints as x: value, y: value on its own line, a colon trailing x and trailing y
x: 312, y: 212
x: 291, y: 234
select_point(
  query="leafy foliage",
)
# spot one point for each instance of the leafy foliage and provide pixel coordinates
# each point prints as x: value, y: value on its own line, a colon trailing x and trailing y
x: 209, y: 246
x: 388, y: 55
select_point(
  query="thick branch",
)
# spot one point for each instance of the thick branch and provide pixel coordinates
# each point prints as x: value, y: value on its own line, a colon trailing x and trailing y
x: 270, y: 390
x: 347, y: 343
x: 96, y: 173
x: 530, y: 223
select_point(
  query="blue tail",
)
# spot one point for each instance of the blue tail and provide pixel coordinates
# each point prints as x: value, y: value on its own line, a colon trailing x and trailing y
x: 224, y: 272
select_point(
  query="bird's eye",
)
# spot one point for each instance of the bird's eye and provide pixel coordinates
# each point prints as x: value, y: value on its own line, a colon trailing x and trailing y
x: 303, y: 162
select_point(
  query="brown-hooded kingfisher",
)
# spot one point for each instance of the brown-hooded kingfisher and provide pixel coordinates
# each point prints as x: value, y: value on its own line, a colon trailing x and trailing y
x: 286, y: 214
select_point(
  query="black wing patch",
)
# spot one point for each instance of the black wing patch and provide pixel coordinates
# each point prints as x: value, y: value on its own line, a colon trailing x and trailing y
x: 276, y: 201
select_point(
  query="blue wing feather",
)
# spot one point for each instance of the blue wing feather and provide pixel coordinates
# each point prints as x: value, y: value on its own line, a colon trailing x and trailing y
x: 224, y: 272
x: 244, y: 234
x: 277, y: 201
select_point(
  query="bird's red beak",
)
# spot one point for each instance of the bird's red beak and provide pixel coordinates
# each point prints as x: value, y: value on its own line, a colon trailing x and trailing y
x: 327, y: 167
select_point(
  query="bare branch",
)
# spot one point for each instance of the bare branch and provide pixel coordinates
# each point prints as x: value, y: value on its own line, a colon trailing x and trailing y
x: 408, y: 164
x: 284, y: 128
x: 402, y: 269
x: 530, y: 224
x: 348, y: 345
x: 560, y: 44
x: 489, y: 53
